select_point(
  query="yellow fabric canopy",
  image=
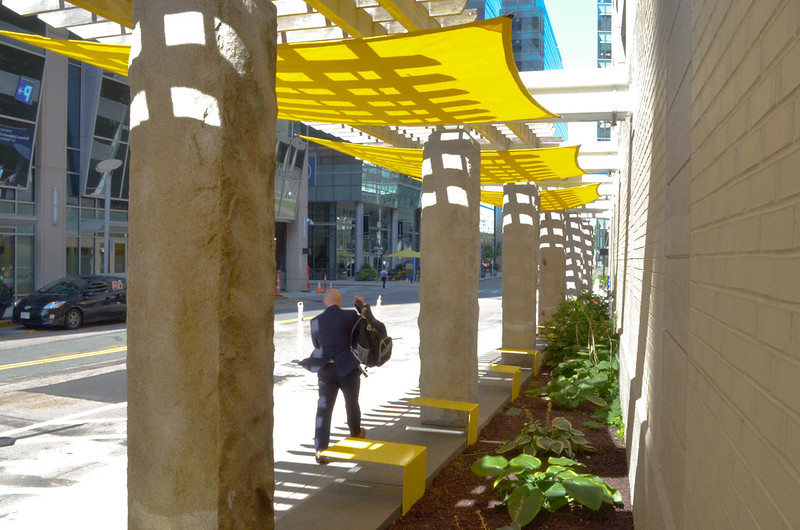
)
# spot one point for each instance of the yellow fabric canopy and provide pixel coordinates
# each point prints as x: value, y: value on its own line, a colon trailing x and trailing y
x: 111, y: 57
x: 457, y: 75
x: 120, y: 11
x: 552, y: 200
x: 497, y: 167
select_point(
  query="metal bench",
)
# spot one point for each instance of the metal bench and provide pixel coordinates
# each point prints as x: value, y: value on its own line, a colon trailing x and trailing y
x: 535, y: 354
x: 410, y: 457
x: 470, y: 408
x: 514, y: 371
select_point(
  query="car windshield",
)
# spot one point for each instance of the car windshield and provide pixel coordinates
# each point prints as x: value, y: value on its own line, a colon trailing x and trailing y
x: 59, y: 287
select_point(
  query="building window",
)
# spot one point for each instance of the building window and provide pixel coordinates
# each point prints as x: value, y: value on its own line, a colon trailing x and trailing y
x: 603, y: 131
x: 603, y: 46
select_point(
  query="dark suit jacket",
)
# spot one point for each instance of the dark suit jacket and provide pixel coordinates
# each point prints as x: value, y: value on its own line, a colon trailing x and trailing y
x: 330, y: 333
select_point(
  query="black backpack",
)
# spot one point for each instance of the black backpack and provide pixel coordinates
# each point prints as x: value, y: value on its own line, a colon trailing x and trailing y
x: 369, y: 341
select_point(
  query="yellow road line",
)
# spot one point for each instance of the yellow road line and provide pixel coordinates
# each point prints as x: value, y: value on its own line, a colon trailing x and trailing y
x: 65, y: 357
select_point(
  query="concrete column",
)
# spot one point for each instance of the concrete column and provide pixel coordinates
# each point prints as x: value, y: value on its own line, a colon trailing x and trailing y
x: 573, y: 243
x: 202, y: 268
x: 448, y: 296
x: 359, y: 236
x: 394, y: 234
x: 588, y: 254
x: 521, y: 267
x: 51, y: 258
x: 297, y: 241
x: 552, y: 267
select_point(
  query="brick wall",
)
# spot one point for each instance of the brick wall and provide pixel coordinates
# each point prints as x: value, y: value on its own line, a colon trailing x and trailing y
x: 708, y: 264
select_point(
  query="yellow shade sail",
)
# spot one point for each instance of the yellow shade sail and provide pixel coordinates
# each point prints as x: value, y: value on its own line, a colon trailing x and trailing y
x: 552, y: 200
x: 120, y: 11
x: 497, y: 167
x: 457, y: 75
x: 111, y: 57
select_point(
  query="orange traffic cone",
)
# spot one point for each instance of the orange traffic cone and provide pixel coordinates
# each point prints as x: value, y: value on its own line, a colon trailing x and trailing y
x: 319, y: 287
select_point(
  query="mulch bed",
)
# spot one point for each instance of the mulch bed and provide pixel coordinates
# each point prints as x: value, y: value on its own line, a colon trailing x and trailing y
x: 458, y: 499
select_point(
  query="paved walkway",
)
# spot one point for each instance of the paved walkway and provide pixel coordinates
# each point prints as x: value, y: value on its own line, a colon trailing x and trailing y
x: 307, y: 495
x: 357, y: 495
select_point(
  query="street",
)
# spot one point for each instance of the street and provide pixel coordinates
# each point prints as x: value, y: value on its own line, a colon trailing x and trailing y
x: 63, y: 408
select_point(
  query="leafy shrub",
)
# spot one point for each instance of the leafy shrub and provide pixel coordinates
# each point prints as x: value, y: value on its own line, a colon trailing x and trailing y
x: 612, y: 415
x: 590, y: 376
x: 525, y: 490
x: 578, y: 324
x: 366, y: 273
x: 558, y: 437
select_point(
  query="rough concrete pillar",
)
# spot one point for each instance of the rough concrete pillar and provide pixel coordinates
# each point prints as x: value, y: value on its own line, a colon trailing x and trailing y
x: 588, y: 254
x: 573, y: 250
x: 521, y: 267
x: 448, y: 296
x: 202, y: 271
x: 552, y: 265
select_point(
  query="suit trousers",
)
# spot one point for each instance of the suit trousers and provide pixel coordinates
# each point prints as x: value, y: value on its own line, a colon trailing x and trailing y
x: 330, y: 382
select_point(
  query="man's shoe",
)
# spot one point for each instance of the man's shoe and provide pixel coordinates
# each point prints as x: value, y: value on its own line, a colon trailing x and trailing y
x: 323, y: 460
x: 362, y: 434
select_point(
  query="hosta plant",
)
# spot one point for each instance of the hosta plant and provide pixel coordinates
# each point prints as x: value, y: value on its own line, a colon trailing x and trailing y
x: 590, y: 376
x: 525, y: 489
x: 557, y: 437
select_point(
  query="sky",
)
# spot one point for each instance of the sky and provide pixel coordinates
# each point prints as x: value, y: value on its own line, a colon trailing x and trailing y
x: 575, y: 26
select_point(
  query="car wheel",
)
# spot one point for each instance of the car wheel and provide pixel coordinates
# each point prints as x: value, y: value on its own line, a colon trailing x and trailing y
x: 73, y: 319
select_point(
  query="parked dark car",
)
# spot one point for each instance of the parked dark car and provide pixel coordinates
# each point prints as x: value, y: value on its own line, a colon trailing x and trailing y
x: 72, y: 301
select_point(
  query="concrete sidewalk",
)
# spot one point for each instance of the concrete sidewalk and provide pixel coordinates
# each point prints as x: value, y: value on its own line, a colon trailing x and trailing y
x: 361, y: 495
x: 367, y: 496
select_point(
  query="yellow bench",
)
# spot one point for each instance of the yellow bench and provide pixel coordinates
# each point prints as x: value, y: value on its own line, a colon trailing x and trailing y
x: 545, y: 331
x: 535, y: 354
x: 410, y: 457
x: 470, y: 408
x: 514, y: 371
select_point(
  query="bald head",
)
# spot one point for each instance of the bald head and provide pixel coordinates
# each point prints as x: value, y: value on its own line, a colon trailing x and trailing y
x: 332, y: 297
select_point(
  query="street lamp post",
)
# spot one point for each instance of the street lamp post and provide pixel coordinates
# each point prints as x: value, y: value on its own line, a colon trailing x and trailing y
x: 106, y: 167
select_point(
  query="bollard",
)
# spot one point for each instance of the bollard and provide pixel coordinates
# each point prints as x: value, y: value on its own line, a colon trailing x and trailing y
x: 300, y: 329
x: 378, y: 308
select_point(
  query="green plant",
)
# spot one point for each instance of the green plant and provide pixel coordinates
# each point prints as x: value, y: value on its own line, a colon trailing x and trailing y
x: 578, y: 324
x: 558, y: 437
x: 525, y: 489
x: 590, y: 376
x: 612, y: 415
x: 366, y: 273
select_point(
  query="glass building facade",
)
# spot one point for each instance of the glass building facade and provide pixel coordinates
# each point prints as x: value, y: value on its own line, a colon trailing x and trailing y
x: 360, y: 213
x: 52, y: 199
x: 604, y: 56
x: 21, y: 76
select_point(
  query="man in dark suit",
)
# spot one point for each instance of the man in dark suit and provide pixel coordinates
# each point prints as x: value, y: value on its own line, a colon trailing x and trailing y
x: 340, y: 370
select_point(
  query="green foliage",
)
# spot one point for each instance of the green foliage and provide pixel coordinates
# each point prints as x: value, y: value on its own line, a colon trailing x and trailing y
x: 525, y: 489
x: 558, y: 437
x: 367, y: 273
x: 590, y: 376
x: 612, y: 415
x: 578, y: 324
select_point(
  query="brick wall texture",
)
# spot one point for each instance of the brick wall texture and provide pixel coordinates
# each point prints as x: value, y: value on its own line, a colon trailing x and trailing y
x: 707, y: 270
